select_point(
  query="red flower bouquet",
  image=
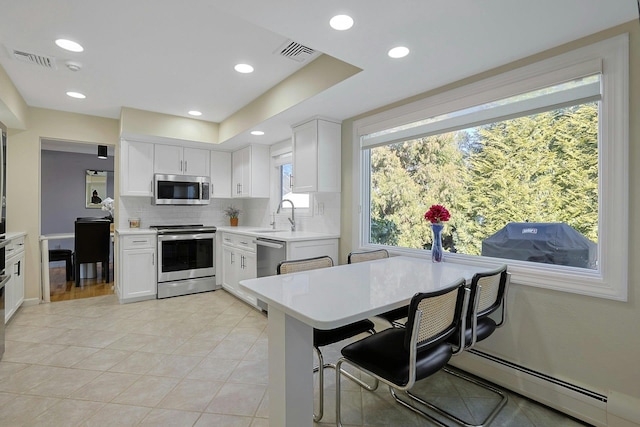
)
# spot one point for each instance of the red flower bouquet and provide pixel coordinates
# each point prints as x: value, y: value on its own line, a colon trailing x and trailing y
x: 437, y: 214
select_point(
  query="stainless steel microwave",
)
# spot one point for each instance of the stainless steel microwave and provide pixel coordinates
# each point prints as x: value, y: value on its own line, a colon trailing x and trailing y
x: 180, y: 190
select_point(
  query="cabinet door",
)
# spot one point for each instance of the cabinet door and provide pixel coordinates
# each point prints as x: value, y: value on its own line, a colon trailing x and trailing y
x: 137, y: 168
x: 14, y: 288
x: 220, y: 174
x: 168, y: 159
x: 230, y: 267
x: 8, y: 295
x: 138, y: 273
x: 313, y: 248
x: 317, y: 157
x: 196, y: 161
x: 18, y: 284
x: 305, y: 157
x: 239, y: 170
x: 248, y: 265
x: 248, y: 268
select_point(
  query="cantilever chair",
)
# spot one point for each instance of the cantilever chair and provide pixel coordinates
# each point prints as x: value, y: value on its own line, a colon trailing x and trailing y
x: 401, y: 356
x: 488, y: 293
x: 391, y: 316
x: 322, y: 338
x: 92, y: 244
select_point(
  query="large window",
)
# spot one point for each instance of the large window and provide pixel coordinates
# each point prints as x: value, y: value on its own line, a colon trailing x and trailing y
x: 529, y: 164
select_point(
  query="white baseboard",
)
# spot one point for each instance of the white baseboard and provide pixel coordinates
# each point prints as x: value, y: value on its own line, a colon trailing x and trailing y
x: 623, y: 410
x: 30, y: 301
x: 590, y: 407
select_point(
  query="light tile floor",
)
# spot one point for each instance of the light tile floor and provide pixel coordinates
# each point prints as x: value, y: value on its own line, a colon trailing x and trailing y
x: 197, y: 360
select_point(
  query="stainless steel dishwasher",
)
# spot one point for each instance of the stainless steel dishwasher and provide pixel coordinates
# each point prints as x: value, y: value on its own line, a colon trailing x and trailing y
x: 269, y: 254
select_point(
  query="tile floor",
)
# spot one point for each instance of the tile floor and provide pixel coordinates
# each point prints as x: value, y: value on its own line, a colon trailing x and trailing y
x: 197, y: 360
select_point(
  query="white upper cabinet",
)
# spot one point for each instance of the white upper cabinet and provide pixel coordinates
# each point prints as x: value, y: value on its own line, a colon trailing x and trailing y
x: 250, y: 172
x: 136, y: 162
x: 176, y: 160
x: 220, y: 174
x: 317, y: 156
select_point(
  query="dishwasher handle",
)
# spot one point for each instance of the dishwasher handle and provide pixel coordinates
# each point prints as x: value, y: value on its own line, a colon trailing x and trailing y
x: 269, y: 243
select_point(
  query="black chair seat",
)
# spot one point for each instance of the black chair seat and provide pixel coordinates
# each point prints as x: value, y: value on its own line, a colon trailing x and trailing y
x: 397, y: 314
x: 65, y: 255
x: 325, y: 337
x: 384, y: 354
x: 486, y: 326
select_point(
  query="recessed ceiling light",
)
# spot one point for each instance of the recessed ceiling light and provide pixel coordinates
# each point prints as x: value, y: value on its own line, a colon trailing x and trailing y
x: 398, y: 52
x: 195, y: 113
x: 69, y: 45
x: 244, y: 68
x: 341, y: 22
x: 76, y: 95
x: 257, y: 132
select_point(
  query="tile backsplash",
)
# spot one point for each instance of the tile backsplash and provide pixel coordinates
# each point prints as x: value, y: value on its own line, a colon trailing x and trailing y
x: 255, y: 212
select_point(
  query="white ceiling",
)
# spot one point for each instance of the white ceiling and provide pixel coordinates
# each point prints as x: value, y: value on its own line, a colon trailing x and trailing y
x: 172, y: 56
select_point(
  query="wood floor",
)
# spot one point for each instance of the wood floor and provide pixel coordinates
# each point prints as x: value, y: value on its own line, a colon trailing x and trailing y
x: 61, y: 290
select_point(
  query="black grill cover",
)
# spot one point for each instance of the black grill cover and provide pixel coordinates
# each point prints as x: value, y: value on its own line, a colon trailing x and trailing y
x: 551, y: 243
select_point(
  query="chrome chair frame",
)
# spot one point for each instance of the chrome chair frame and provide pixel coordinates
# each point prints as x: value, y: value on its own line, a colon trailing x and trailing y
x: 475, y: 312
x: 415, y: 325
x: 293, y: 266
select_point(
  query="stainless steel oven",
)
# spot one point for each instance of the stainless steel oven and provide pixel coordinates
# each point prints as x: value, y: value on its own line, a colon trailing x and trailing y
x: 186, y: 259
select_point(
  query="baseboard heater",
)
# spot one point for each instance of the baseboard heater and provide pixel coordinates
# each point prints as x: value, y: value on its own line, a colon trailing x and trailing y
x: 540, y: 375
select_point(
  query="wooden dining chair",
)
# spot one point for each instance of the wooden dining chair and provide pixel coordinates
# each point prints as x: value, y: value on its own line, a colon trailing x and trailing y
x: 322, y: 337
x: 399, y: 357
x: 392, y: 317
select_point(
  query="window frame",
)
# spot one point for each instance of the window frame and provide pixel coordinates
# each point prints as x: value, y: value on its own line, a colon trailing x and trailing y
x: 281, y: 154
x: 610, y: 57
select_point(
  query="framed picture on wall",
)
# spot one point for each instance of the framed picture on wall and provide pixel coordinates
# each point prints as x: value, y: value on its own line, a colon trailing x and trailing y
x: 95, y: 188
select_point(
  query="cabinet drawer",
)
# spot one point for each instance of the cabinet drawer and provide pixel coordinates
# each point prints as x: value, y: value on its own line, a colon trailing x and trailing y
x: 15, y: 246
x: 239, y: 241
x: 141, y: 241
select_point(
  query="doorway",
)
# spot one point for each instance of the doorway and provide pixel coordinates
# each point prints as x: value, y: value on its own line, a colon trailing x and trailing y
x: 64, y: 185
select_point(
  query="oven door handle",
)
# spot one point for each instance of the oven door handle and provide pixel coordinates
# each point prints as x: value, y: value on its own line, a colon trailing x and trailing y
x: 198, y: 236
x: 269, y: 244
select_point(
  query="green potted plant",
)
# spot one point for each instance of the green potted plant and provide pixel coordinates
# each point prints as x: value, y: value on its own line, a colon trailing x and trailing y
x: 232, y: 212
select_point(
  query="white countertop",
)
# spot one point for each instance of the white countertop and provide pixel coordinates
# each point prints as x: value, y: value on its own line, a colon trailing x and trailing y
x: 327, y: 298
x: 14, y: 234
x: 282, y: 235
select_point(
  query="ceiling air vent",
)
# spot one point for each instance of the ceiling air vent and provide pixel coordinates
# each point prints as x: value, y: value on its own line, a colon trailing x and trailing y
x: 34, y: 58
x: 296, y: 51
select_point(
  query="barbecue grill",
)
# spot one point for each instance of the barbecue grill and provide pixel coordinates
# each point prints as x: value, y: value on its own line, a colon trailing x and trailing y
x: 550, y: 243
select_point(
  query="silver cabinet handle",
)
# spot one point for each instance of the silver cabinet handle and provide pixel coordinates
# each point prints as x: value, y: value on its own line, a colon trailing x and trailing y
x: 185, y: 166
x: 153, y: 259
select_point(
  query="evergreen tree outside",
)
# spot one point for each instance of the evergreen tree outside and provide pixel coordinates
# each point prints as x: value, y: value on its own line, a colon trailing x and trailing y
x: 538, y: 168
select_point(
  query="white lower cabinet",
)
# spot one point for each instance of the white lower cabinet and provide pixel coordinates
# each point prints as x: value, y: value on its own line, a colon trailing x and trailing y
x: 14, y: 267
x: 238, y: 263
x: 313, y: 248
x: 137, y: 274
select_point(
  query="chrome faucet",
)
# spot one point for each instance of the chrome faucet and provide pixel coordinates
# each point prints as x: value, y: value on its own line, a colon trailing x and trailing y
x: 292, y: 220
